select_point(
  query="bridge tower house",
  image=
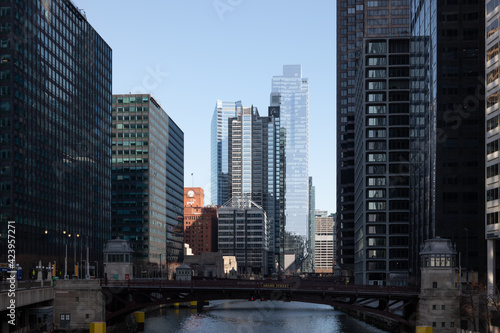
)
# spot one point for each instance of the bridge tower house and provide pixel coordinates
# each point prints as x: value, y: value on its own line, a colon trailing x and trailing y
x: 439, y: 300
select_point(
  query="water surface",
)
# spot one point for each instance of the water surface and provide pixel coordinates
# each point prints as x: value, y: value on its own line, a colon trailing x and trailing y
x: 251, y: 317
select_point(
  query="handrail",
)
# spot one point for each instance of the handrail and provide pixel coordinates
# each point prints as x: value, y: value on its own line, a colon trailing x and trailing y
x: 263, y: 284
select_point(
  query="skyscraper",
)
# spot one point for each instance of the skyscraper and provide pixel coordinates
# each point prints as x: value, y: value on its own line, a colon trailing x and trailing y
x: 294, y: 90
x: 148, y: 180
x: 256, y: 164
x: 382, y: 162
x: 219, y: 152
x: 55, y: 130
x: 370, y: 19
x: 447, y: 123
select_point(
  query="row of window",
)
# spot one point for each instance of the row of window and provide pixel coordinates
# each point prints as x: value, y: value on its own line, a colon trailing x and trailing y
x: 127, y: 100
x: 130, y: 109
x: 393, y: 205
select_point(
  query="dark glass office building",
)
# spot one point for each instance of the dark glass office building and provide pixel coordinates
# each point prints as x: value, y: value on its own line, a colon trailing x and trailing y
x: 447, y: 129
x: 148, y: 181
x: 55, y: 131
x: 356, y: 20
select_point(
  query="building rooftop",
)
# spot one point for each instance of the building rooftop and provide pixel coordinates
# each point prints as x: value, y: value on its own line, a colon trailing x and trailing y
x: 118, y: 245
x: 437, y: 246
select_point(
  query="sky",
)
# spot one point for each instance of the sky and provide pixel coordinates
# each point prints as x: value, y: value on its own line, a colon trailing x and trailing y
x: 189, y: 53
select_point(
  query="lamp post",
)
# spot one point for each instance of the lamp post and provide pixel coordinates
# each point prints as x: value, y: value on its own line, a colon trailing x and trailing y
x: 467, y: 253
x: 66, y: 257
x: 75, y: 264
x: 87, y: 275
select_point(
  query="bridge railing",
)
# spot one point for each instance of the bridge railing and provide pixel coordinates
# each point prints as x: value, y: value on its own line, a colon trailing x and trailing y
x: 289, y: 284
x: 24, y: 285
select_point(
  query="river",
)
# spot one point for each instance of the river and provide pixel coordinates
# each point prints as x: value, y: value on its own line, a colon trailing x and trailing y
x: 252, y: 317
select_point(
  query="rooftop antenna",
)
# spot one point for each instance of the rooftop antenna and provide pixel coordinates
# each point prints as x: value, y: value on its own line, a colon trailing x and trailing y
x: 192, y: 179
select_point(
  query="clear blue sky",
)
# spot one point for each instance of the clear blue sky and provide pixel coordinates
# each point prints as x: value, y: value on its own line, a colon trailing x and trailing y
x: 204, y: 50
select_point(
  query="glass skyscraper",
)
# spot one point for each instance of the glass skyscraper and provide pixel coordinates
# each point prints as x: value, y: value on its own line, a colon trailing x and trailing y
x: 55, y: 131
x: 256, y: 161
x: 294, y: 90
x: 219, y: 150
x: 148, y: 180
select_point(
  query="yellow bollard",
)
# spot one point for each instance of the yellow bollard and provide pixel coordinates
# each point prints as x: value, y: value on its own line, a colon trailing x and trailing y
x: 193, y: 304
x: 97, y: 327
x: 424, y: 329
x: 176, y: 305
x: 139, y: 320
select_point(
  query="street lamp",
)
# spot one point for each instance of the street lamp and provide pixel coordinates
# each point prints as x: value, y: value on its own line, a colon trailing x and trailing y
x: 66, y: 258
x: 77, y: 266
x: 87, y: 275
x: 467, y: 253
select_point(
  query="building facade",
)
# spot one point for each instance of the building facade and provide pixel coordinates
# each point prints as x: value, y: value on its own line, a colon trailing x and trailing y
x: 294, y: 90
x: 148, y: 180
x: 256, y: 162
x: 356, y: 21
x: 325, y: 240
x: 311, y: 229
x: 244, y: 232
x: 382, y: 162
x: 492, y: 136
x: 55, y: 130
x: 200, y: 222
x: 447, y: 123
x: 219, y: 150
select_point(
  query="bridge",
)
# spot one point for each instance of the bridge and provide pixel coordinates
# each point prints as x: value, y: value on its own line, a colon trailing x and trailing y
x: 395, y: 306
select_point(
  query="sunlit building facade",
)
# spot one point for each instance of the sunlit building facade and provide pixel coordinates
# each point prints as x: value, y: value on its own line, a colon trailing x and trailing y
x: 148, y: 179
x: 219, y: 150
x: 256, y: 163
x: 492, y: 138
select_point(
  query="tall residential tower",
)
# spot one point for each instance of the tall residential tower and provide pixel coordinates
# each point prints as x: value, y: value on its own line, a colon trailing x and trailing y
x: 355, y: 21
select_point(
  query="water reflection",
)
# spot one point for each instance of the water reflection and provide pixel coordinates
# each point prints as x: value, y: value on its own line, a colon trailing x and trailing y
x: 253, y: 317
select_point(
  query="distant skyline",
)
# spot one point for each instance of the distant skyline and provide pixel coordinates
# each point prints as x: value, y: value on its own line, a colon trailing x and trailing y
x: 188, y: 55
